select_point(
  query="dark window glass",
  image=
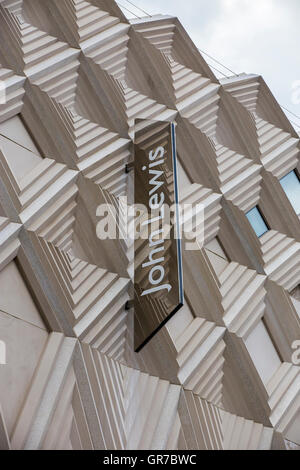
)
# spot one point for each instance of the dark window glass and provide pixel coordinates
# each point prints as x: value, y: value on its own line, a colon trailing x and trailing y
x: 257, y: 221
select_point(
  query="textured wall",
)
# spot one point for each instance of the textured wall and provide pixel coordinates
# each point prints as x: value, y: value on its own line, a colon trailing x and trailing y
x: 220, y: 374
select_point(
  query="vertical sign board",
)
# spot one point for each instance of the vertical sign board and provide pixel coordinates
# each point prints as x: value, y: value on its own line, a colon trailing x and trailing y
x: 158, y: 284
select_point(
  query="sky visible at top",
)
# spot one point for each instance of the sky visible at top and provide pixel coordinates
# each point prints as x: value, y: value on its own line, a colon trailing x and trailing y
x: 252, y: 36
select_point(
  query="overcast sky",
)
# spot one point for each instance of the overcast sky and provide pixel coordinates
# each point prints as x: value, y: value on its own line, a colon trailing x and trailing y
x: 259, y: 36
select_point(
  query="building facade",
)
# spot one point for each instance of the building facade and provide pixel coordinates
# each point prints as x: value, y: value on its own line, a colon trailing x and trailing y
x: 223, y: 373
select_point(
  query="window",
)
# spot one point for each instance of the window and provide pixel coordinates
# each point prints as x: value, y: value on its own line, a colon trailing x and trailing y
x: 257, y: 221
x: 291, y: 186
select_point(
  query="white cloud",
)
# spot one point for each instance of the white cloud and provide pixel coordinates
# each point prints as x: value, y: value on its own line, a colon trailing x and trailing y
x: 259, y: 36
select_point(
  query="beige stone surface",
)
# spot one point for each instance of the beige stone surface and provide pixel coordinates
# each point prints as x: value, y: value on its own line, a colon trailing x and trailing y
x: 219, y: 375
x: 24, y: 346
x: 20, y: 160
x: 15, y: 298
x: 258, y: 344
x: 15, y: 130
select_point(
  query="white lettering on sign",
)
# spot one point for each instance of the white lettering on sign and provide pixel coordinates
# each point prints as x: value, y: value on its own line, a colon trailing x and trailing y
x: 157, y: 246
